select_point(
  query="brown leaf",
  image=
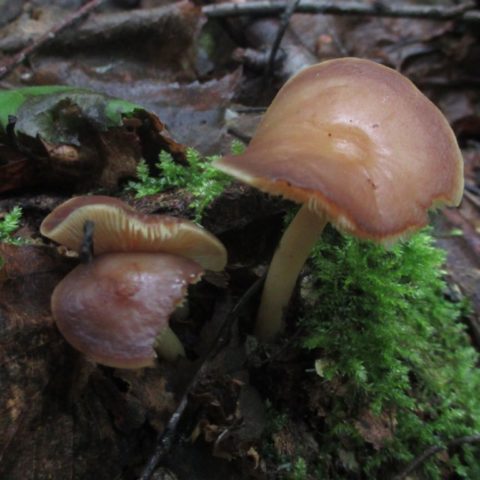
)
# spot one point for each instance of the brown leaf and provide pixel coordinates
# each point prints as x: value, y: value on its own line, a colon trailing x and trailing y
x: 193, y: 111
x: 67, y: 139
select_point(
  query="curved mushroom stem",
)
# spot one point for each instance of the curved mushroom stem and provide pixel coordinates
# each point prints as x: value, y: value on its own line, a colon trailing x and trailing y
x: 289, y: 258
x: 168, y: 346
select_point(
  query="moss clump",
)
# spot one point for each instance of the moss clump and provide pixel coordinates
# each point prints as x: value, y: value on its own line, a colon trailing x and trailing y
x: 199, y: 177
x: 382, y: 329
x: 278, y: 445
x: 299, y: 470
x: 9, y: 223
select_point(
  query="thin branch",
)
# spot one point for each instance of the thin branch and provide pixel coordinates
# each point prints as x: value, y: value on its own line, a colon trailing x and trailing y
x: 86, y: 247
x: 68, y: 21
x: 282, y: 28
x: 237, y: 133
x: 429, y: 452
x: 465, y: 12
x: 167, y: 437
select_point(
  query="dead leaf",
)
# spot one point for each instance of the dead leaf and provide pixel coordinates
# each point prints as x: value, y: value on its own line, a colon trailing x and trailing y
x: 76, y: 139
x: 193, y: 111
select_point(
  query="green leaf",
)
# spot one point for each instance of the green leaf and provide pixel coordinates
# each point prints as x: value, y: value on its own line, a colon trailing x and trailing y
x: 57, y: 113
x: 12, y: 100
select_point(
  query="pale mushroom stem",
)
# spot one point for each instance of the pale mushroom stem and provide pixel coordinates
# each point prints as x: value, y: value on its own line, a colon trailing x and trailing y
x: 289, y: 258
x: 168, y: 346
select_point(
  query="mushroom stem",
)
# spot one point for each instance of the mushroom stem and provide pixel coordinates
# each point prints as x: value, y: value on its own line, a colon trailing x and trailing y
x: 168, y: 346
x: 289, y: 258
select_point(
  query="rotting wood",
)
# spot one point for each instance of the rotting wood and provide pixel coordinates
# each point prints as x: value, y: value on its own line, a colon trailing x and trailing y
x: 114, y: 26
x: 48, y: 36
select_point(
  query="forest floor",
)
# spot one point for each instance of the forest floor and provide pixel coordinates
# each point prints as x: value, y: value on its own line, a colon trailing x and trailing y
x: 207, y: 74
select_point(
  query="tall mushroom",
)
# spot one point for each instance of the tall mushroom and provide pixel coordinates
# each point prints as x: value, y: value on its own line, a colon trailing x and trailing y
x: 359, y: 146
x: 115, y: 309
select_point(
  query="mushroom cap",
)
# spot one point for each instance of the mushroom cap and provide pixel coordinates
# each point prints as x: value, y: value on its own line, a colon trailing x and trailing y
x: 120, y: 228
x: 358, y: 141
x: 113, y: 308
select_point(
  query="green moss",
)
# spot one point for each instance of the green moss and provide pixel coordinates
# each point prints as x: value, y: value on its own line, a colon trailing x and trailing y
x: 299, y: 470
x: 199, y: 177
x: 289, y: 467
x: 275, y: 421
x: 237, y: 147
x: 9, y: 224
x: 382, y: 328
x: 207, y: 42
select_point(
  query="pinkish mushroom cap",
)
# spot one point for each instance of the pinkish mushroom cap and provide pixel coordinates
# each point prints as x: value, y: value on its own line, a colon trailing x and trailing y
x: 359, y: 146
x: 116, y: 308
x: 356, y: 141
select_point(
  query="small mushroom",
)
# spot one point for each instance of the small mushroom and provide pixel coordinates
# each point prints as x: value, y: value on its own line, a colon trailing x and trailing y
x: 120, y: 228
x: 116, y: 308
x: 359, y: 146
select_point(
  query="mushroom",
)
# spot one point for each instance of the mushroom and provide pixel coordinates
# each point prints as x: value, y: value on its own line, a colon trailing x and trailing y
x: 359, y: 146
x: 120, y: 228
x: 115, y: 309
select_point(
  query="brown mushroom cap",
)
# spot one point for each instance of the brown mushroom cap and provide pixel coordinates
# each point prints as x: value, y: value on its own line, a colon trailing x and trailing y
x: 119, y: 228
x: 114, y: 308
x: 358, y: 141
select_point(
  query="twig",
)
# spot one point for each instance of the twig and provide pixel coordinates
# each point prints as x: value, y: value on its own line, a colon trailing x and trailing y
x: 432, y: 451
x: 10, y: 64
x: 237, y: 133
x: 10, y: 130
x: 167, y: 437
x: 86, y: 247
x: 465, y: 12
x: 248, y: 109
x: 290, y: 7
